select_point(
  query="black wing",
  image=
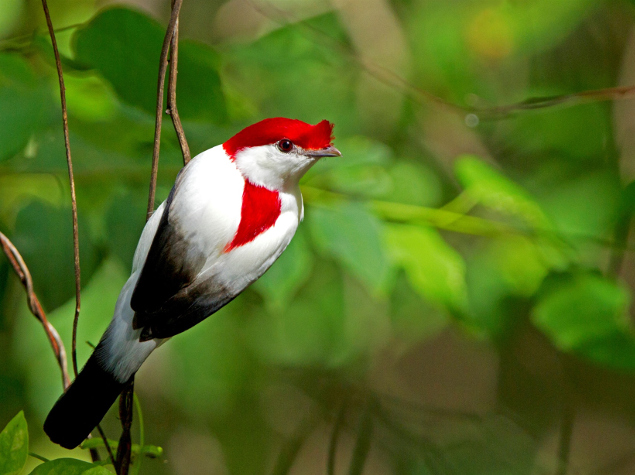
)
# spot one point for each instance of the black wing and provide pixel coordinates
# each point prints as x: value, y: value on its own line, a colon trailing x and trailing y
x: 168, y: 298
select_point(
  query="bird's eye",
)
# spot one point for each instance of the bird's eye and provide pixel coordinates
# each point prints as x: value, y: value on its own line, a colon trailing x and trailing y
x: 285, y: 145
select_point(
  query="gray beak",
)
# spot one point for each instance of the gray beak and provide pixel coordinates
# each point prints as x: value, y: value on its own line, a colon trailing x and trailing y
x: 323, y: 152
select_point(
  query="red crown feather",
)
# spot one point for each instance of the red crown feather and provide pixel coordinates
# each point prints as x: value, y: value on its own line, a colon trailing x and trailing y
x: 270, y: 131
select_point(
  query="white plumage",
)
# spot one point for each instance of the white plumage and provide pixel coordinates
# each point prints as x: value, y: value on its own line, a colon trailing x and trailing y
x: 232, y: 212
x: 208, y: 202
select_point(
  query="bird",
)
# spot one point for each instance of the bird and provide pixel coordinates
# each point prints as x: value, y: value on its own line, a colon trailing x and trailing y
x: 232, y: 211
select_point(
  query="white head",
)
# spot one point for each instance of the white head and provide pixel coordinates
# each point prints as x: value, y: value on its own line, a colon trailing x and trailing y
x: 276, y: 153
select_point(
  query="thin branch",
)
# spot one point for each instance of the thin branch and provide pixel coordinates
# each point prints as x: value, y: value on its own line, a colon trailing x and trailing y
x: 382, y: 74
x: 39, y: 457
x: 102, y: 434
x: 406, y: 213
x: 568, y: 420
x: 171, y: 38
x: 450, y: 220
x: 142, y: 440
x: 568, y: 100
x: 566, y: 436
x: 30, y: 36
x: 125, y: 441
x: 163, y: 65
x: 621, y: 235
x: 423, y: 97
x: 172, y: 109
x: 289, y: 451
x: 69, y: 161
x: 24, y: 275
x: 363, y: 442
x: 335, y: 435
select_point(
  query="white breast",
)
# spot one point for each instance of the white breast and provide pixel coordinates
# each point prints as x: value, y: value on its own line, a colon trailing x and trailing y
x: 208, y: 201
x: 241, y: 266
x: 208, y: 205
x: 207, y: 208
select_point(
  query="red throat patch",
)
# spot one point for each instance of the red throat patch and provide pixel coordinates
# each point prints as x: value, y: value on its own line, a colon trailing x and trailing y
x: 260, y: 210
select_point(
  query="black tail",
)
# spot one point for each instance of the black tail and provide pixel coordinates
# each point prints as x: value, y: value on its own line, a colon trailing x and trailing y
x: 83, y: 405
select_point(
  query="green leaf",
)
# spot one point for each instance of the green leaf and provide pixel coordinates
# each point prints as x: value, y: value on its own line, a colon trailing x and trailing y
x: 24, y: 103
x: 97, y: 470
x: 363, y: 171
x: 90, y: 98
x: 297, y: 76
x: 14, y: 445
x: 199, y: 86
x: 521, y: 262
x: 356, y: 151
x: 367, y: 180
x: 10, y: 12
x: 42, y: 43
x: 124, y: 220
x: 125, y: 45
x: 584, y: 205
x: 352, y: 236
x: 368, y: 169
x: 69, y: 466
x: 587, y: 314
x: 454, y: 41
x: 435, y: 270
x: 50, y: 260
x: 493, y: 190
x: 503, y: 275
x: 412, y: 183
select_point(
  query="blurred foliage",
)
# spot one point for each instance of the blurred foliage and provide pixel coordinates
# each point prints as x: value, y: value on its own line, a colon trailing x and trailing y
x: 457, y: 281
x: 14, y: 445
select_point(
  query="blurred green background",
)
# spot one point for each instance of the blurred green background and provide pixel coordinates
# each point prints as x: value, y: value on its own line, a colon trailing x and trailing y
x: 461, y: 286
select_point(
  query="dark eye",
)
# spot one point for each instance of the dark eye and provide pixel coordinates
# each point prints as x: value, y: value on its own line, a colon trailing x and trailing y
x: 285, y: 145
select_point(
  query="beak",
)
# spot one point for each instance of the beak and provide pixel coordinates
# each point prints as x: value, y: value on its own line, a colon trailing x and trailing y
x: 323, y: 152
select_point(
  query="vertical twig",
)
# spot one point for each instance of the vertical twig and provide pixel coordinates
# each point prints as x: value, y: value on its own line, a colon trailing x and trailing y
x: 102, y: 434
x: 566, y: 435
x: 142, y: 440
x: 71, y: 179
x: 125, y: 441
x: 69, y: 161
x: 172, y: 109
x: 566, y: 432
x: 568, y: 419
x: 364, y: 439
x: 289, y: 451
x: 335, y: 435
x: 171, y: 38
x: 22, y: 271
x: 163, y: 66
x: 621, y: 232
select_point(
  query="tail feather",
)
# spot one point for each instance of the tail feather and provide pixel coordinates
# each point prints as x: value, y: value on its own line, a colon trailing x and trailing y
x: 83, y: 405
